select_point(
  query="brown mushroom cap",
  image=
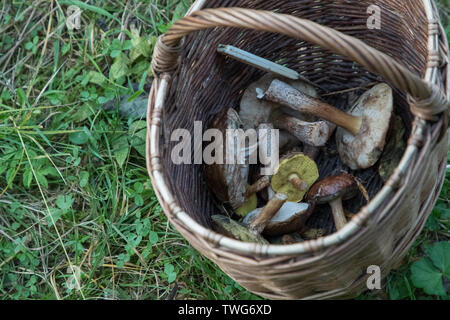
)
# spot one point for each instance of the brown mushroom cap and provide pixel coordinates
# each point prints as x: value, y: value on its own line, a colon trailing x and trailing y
x: 375, y: 107
x: 342, y: 186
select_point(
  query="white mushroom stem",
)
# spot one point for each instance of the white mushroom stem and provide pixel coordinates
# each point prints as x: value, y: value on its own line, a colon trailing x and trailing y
x: 338, y: 213
x: 311, y: 133
x: 282, y: 93
x: 269, y: 211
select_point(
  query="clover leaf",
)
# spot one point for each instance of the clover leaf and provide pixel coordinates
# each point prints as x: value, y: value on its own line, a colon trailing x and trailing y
x: 428, y: 273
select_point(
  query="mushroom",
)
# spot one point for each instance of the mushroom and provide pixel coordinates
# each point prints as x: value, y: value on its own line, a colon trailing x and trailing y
x: 295, y: 175
x: 333, y: 190
x: 228, y: 181
x: 375, y: 110
x: 362, y: 133
x: 258, y: 225
x: 254, y: 111
x: 314, y: 134
x: 289, y: 218
x: 235, y: 230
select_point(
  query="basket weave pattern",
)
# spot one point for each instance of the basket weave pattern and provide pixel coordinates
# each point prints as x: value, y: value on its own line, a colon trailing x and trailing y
x: 338, y: 52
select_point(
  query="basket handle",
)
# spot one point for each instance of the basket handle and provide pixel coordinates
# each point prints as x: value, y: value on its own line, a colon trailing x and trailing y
x: 427, y: 101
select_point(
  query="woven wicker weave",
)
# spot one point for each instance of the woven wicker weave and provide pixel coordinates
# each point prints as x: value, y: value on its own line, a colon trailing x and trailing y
x: 332, y: 46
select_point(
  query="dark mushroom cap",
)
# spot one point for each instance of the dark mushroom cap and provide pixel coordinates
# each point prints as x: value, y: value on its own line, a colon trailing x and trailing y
x: 342, y: 186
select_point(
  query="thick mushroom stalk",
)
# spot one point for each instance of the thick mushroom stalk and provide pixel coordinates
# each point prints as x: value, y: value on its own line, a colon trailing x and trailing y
x: 314, y: 134
x: 291, y: 217
x: 361, y: 136
x: 258, y: 186
x: 282, y: 93
x: 333, y: 190
x: 338, y: 213
x: 269, y: 211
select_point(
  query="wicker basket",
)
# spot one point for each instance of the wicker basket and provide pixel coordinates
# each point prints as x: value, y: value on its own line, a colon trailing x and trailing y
x: 332, y: 46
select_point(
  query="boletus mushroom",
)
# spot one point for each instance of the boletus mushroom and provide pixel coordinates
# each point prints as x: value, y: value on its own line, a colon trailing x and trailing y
x: 362, y: 132
x: 295, y: 175
x: 315, y: 134
x: 254, y: 112
x: 291, y: 217
x: 333, y: 190
x: 258, y: 225
x: 228, y: 181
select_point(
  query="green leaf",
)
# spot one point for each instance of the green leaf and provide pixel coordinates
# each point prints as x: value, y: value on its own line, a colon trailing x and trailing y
x: 42, y: 179
x: 153, y: 237
x: 50, y: 171
x: 83, y: 112
x: 27, y: 177
x: 140, y: 67
x: 424, y: 275
x: 141, y: 47
x: 29, y: 45
x: 138, y: 134
x: 22, y: 97
x: 172, y: 277
x: 432, y: 223
x: 53, y: 216
x: 168, y: 268
x: 115, y: 53
x: 119, y: 67
x: 138, y: 187
x: 440, y: 255
x: 65, y: 202
x: 97, y: 78
x: 138, y: 200
x: 84, y: 178
x: 180, y: 10
x: 79, y: 137
x: 121, y: 150
x: 65, y: 48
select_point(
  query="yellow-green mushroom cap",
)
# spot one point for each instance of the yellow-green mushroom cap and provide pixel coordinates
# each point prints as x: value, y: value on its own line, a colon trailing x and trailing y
x: 301, y: 165
x: 249, y: 205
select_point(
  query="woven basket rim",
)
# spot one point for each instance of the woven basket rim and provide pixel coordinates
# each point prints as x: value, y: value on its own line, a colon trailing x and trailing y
x: 175, y: 212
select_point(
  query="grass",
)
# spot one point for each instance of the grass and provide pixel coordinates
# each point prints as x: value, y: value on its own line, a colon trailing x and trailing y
x: 78, y: 216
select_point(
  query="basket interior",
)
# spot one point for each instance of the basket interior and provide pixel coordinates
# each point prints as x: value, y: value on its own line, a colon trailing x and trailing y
x: 206, y: 82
